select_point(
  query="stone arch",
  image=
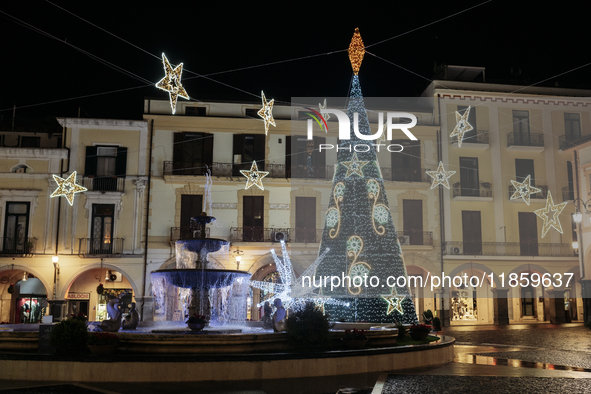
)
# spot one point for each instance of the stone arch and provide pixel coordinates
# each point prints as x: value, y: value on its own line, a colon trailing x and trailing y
x: 529, y: 267
x: 73, y: 277
x: 253, y: 191
x: 478, y: 266
x: 168, y: 264
x: 17, y: 267
x: 190, y: 188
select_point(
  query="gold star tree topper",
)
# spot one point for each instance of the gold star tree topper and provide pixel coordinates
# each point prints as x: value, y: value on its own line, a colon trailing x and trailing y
x: 171, y: 82
x: 356, y: 51
x: 550, y: 214
x: 67, y: 187
x: 524, y: 190
x: 462, y: 126
x: 440, y: 176
x: 394, y: 302
x: 254, y: 176
x: 354, y: 166
x: 267, y: 112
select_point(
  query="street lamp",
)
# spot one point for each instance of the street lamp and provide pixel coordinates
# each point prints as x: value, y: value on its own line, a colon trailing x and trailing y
x: 578, y: 215
x: 238, y: 257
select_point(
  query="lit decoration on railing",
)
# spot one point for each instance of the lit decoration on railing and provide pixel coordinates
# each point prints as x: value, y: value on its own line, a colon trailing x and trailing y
x: 67, y: 187
x: 462, y: 126
x: 549, y: 215
x: 524, y: 189
x: 356, y: 51
x: 171, y: 82
x: 254, y: 176
x: 394, y: 302
x: 354, y: 166
x: 440, y: 176
x: 267, y: 112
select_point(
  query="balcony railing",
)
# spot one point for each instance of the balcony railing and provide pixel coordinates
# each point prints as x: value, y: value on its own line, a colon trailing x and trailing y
x: 177, y: 233
x: 568, y: 194
x: 104, y: 183
x: 484, y: 189
x: 412, y: 237
x: 260, y: 234
x: 525, y: 139
x: 539, y: 195
x: 508, y: 249
x: 568, y: 142
x: 405, y: 174
x: 100, y: 246
x: 481, y: 137
x: 12, y: 246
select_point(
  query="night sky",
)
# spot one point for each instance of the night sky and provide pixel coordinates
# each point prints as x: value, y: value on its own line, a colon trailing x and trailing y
x: 517, y: 42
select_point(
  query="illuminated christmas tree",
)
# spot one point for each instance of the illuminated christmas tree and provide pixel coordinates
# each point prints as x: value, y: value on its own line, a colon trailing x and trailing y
x: 359, y: 229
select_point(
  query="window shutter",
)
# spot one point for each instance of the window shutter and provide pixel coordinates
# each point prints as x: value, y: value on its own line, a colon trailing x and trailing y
x: 121, y: 163
x: 207, y: 151
x: 288, y: 156
x: 177, y: 150
x: 90, y: 164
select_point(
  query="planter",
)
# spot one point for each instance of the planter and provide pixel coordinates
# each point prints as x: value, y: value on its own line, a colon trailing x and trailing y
x: 196, y: 326
x: 418, y: 335
x: 102, y: 350
x: 354, y: 344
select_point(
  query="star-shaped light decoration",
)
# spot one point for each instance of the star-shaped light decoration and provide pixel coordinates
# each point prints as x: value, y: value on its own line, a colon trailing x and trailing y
x: 254, y: 176
x: 550, y: 210
x: 462, y: 126
x: 171, y: 82
x: 67, y: 187
x: 394, y: 302
x: 354, y: 166
x: 440, y: 176
x: 524, y: 189
x: 356, y: 51
x: 267, y: 112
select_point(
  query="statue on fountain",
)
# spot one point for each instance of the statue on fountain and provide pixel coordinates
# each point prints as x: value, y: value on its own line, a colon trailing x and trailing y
x: 114, y: 310
x: 267, y: 316
x: 132, y: 320
x: 278, y: 316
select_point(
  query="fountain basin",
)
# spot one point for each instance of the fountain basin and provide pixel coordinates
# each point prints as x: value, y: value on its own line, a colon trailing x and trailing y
x: 200, y: 278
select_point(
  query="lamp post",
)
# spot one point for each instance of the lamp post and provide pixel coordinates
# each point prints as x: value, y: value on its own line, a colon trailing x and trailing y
x: 578, y: 218
x: 238, y: 257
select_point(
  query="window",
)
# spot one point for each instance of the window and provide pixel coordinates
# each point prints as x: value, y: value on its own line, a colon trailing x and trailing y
x: 307, y: 161
x: 253, y: 218
x: 30, y: 142
x: 305, y: 225
x: 406, y: 165
x: 570, y: 190
x: 523, y: 168
x: 195, y: 111
x: 470, y: 136
x: 521, y: 135
x: 16, y: 228
x: 469, y: 181
x: 102, y: 229
x: 572, y: 126
x: 412, y: 221
x: 248, y: 148
x: 105, y: 164
x: 472, y: 232
x: 252, y: 113
x: 528, y: 234
x: 192, y: 153
x: 191, y: 206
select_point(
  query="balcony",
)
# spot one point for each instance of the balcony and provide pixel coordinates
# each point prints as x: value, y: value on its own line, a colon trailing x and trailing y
x: 411, y: 237
x: 480, y: 140
x: 508, y: 249
x: 532, y: 142
x: 177, y: 233
x: 565, y: 142
x: 104, y: 183
x: 405, y: 174
x: 538, y: 196
x: 568, y: 194
x: 260, y: 234
x: 13, y: 248
x: 100, y: 247
x: 482, y: 192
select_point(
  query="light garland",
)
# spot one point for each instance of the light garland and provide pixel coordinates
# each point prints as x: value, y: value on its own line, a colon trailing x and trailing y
x: 440, y: 176
x: 67, y: 187
x: 254, y: 176
x: 380, y: 212
x: 355, y: 166
x: 356, y: 51
x: 357, y: 269
x: 462, y: 126
x: 267, y: 112
x: 524, y: 189
x: 556, y: 211
x: 171, y: 82
x: 333, y: 215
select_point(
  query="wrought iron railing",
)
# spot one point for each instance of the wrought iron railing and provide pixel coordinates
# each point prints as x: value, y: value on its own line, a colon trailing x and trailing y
x: 100, y: 246
x: 412, y: 237
x: 484, y: 189
x: 539, y: 195
x: 15, y: 246
x: 104, y: 183
x: 177, y: 233
x: 405, y: 174
x: 568, y: 194
x: 480, y: 137
x: 260, y: 234
x: 525, y: 139
x: 508, y: 249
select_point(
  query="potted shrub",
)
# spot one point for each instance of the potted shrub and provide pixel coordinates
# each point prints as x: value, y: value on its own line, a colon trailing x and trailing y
x: 308, y: 327
x: 196, y: 322
x: 437, y: 324
x: 69, y: 336
x: 354, y: 339
x: 102, y: 343
x: 419, y: 331
x: 428, y: 316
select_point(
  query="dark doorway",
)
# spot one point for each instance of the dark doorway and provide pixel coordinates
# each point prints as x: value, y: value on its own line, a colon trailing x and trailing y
x: 191, y: 206
x: 246, y: 149
x: 307, y: 161
x: 469, y: 182
x: 305, y: 219
x: 406, y: 165
x: 412, y: 221
x: 528, y: 234
x: 253, y: 218
x: 472, y: 234
x: 527, y: 301
x: 102, y: 228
